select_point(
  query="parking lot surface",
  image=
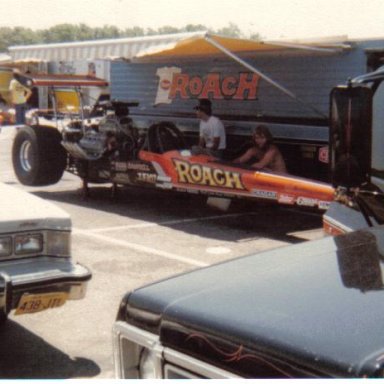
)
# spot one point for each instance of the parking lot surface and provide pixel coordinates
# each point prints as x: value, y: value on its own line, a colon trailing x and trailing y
x: 134, y: 239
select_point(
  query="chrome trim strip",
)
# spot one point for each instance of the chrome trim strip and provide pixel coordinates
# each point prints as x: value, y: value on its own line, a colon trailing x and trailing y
x: 197, y: 366
x: 140, y: 338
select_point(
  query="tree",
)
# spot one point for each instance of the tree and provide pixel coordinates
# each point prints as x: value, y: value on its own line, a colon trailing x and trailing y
x: 60, y: 33
x: 70, y: 32
x: 83, y: 32
x: 232, y: 30
x: 106, y: 32
x: 167, y: 30
x: 255, y: 36
x: 134, y: 32
x: 17, y: 36
x: 194, y: 28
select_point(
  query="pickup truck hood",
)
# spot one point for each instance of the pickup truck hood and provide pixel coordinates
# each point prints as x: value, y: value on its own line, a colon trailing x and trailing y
x: 22, y: 211
x: 316, y: 306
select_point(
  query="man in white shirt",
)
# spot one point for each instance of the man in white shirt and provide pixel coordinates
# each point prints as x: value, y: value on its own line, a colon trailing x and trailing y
x: 212, y: 133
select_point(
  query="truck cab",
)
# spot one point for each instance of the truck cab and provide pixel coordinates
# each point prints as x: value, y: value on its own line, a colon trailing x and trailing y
x: 357, y: 159
x: 310, y: 310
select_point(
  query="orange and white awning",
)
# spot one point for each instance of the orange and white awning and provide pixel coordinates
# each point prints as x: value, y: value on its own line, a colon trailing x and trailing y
x: 180, y: 45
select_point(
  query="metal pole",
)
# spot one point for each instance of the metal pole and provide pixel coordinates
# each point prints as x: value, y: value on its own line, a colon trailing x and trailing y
x: 265, y: 77
x: 79, y: 92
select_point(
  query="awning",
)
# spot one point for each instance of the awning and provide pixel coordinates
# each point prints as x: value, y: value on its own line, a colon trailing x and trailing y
x: 127, y: 48
x: 63, y: 81
x: 185, y: 45
x: 205, y: 44
x: 181, y: 44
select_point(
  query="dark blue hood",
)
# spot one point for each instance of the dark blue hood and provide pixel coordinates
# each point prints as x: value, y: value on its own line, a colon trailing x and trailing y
x: 316, y: 307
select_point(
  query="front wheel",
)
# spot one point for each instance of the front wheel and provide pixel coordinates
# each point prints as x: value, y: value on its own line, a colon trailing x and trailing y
x: 37, y: 155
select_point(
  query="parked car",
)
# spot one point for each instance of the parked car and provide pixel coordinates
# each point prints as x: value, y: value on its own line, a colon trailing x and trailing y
x: 36, y: 269
x: 308, y: 310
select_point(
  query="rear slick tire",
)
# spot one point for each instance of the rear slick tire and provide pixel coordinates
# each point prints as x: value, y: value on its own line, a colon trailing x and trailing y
x: 37, y: 155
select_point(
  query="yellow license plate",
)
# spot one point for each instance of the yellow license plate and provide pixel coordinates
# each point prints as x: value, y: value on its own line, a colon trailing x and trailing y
x: 40, y: 302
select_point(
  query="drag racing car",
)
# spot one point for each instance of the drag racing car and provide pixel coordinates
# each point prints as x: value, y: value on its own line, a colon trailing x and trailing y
x: 102, y: 145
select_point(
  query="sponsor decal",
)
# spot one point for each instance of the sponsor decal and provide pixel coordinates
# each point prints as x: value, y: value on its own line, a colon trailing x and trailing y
x: 286, y: 199
x: 202, y: 175
x: 165, y: 84
x: 324, y: 204
x: 147, y: 177
x: 264, y: 194
x: 120, y: 166
x: 214, y: 85
x: 307, y: 201
x: 138, y: 167
x: 164, y: 179
x: 104, y: 174
x: 323, y: 155
x: 165, y: 75
x: 165, y: 185
x: 122, y: 178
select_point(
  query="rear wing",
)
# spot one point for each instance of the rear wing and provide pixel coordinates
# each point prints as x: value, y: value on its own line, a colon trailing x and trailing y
x: 64, y: 90
x: 62, y: 81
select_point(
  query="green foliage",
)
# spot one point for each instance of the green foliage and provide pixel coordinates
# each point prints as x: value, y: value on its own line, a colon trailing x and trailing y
x: 255, y: 36
x: 232, y: 30
x: 17, y: 36
x: 82, y: 32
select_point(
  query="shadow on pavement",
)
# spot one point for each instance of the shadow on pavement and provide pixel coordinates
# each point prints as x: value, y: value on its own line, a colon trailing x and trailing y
x: 186, y: 212
x: 23, y: 355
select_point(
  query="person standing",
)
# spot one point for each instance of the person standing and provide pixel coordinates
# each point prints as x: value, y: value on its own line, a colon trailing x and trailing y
x: 212, y: 139
x: 19, y: 97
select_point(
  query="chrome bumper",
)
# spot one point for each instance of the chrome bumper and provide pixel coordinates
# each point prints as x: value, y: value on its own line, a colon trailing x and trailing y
x: 40, y: 275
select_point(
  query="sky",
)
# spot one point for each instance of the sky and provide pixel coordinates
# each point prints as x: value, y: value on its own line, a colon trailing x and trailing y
x: 272, y: 19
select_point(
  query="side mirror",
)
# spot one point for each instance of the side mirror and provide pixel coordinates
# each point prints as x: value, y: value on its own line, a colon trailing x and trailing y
x: 350, y: 135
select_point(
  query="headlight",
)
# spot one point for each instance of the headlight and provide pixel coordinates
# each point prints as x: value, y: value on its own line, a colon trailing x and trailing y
x: 58, y: 243
x: 28, y: 243
x: 5, y: 246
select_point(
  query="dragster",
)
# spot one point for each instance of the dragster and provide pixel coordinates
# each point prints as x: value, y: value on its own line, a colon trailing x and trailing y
x: 101, y: 145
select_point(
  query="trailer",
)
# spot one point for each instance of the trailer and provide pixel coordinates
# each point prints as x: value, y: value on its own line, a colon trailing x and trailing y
x: 285, y: 84
x: 149, y: 117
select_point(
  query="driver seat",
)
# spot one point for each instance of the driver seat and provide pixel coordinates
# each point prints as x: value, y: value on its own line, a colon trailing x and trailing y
x: 164, y: 137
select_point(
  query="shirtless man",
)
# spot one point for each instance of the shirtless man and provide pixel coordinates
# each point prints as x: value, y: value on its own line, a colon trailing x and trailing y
x: 267, y: 155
